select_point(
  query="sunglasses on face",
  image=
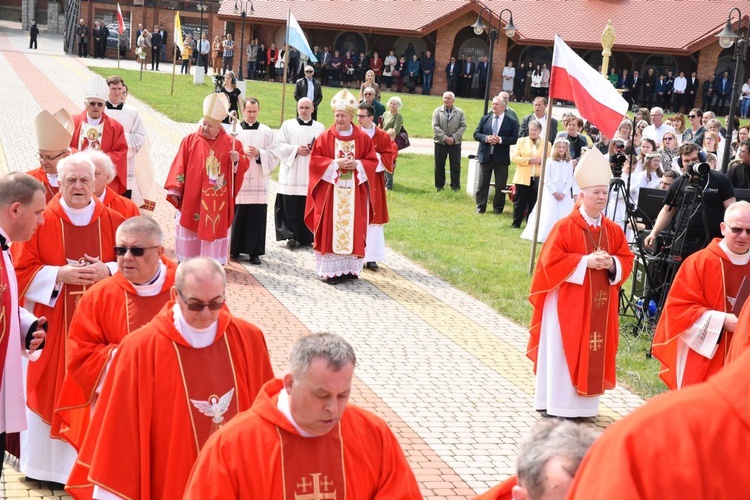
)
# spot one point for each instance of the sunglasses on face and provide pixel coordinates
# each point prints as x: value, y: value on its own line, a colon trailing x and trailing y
x: 96, y: 104
x: 134, y: 251
x: 691, y: 116
x: 198, y: 306
x: 739, y: 230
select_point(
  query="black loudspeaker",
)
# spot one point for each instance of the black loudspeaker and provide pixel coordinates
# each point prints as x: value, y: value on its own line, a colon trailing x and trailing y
x: 640, y: 283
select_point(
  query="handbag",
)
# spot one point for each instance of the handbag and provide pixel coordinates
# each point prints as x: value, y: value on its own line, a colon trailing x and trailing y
x: 396, y: 73
x: 402, y: 139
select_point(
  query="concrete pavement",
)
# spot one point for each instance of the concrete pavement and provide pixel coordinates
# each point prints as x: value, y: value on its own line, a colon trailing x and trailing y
x: 447, y: 372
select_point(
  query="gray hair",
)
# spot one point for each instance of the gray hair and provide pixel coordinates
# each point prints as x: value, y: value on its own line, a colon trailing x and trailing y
x: 368, y: 89
x: 102, y: 160
x: 737, y: 206
x: 535, y: 123
x: 449, y: 94
x: 552, y: 439
x: 18, y: 187
x: 397, y: 100
x: 75, y: 160
x: 198, y: 266
x: 141, y: 225
x: 336, y: 351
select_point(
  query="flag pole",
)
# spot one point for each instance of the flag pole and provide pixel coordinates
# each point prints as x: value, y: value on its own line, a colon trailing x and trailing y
x: 174, y: 65
x: 118, y: 46
x: 540, y: 188
x: 286, y: 63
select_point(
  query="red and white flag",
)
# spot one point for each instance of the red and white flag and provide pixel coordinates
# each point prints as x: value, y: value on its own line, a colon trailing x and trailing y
x: 594, y: 96
x: 120, y: 20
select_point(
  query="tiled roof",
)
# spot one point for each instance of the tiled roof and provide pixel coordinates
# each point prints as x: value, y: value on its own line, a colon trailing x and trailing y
x: 665, y: 26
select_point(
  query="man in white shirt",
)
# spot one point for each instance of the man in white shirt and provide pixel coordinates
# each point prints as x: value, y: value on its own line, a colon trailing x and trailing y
x: 680, y: 85
x: 204, y: 47
x: 658, y: 128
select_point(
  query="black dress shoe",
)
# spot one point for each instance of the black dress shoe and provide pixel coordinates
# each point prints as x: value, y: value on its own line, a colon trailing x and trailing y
x: 497, y: 212
x: 255, y: 260
x: 349, y: 276
x: 292, y: 243
x: 334, y: 280
x: 480, y: 210
x: 372, y: 266
x: 235, y: 256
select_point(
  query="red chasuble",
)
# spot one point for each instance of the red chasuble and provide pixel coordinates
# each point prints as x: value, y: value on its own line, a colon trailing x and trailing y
x: 57, y: 243
x: 120, y: 204
x: 319, y: 210
x: 702, y: 283
x: 588, y: 313
x: 161, y: 402
x: 108, y: 312
x: 40, y: 175
x: 203, y: 166
x: 741, y: 338
x: 260, y: 455
x: 502, y: 491
x: 382, y: 144
x: 686, y: 444
x: 113, y: 143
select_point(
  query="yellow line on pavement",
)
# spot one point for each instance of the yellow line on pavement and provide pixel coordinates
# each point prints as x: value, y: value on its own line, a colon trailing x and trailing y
x: 494, y: 352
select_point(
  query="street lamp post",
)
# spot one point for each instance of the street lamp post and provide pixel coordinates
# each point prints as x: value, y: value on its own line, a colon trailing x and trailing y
x: 202, y: 7
x: 726, y: 39
x: 243, y: 14
x: 492, y: 36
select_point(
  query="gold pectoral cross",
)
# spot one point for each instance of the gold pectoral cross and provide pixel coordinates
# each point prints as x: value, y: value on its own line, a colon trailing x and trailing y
x: 596, y: 341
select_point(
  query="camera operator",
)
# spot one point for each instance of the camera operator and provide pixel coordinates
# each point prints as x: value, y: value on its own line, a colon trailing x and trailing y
x: 717, y: 195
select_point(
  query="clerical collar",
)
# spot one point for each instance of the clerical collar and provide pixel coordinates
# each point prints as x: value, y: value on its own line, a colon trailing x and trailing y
x: 91, y: 121
x: 738, y: 259
x: 153, y: 286
x: 285, y: 409
x: 247, y: 126
x: 591, y: 221
x: 369, y: 131
x: 103, y: 195
x: 4, y: 240
x: 305, y: 124
x: 79, y: 216
x: 52, y: 178
x: 346, y: 132
x: 196, y: 337
x: 115, y: 106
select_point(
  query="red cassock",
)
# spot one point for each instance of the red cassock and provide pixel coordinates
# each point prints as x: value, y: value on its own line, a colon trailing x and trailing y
x: 590, y: 356
x: 502, y: 491
x: 260, y: 455
x: 40, y: 175
x: 107, y: 312
x: 701, y: 284
x: 683, y: 444
x: 120, y: 204
x: 113, y: 143
x: 149, y: 423
x: 207, y: 205
x: 56, y: 243
x: 382, y: 144
x: 319, y: 204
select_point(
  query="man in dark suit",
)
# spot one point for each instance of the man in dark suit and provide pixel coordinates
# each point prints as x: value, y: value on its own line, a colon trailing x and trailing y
x: 452, y: 71
x: 649, y: 86
x: 467, y: 73
x: 155, y: 48
x: 309, y: 87
x: 691, y: 91
x: 634, y: 83
x: 723, y: 92
x: 482, y: 70
x: 540, y: 115
x: 496, y: 133
x: 325, y: 65
x: 163, y: 35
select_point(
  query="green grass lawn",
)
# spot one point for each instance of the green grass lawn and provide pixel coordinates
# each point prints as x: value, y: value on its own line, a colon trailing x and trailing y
x: 481, y: 255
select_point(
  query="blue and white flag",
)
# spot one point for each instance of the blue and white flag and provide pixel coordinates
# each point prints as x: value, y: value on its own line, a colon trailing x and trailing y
x: 296, y: 38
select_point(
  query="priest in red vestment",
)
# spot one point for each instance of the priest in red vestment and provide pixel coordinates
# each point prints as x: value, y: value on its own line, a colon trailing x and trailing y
x: 203, y: 181
x: 338, y: 206
x: 547, y: 462
x: 93, y: 129
x: 381, y: 141
x: 683, y: 444
x: 574, y: 293
x: 104, y: 173
x: 53, y: 133
x: 21, y: 207
x: 110, y: 310
x: 302, y: 440
x: 172, y: 384
x: 694, y: 333
x: 72, y: 251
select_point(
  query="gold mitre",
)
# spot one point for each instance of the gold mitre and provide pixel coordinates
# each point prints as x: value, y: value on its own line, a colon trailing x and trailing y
x: 345, y: 101
x: 593, y: 170
x: 96, y: 88
x: 53, y: 132
x: 215, y: 107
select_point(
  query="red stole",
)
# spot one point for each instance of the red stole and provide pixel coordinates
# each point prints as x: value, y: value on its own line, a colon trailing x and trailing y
x: 313, y: 468
x: 210, y: 384
x: 78, y: 240
x: 6, y: 310
x: 593, y: 343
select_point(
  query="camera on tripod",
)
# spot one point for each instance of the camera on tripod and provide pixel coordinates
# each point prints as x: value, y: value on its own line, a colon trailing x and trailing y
x: 698, y: 173
x: 616, y: 161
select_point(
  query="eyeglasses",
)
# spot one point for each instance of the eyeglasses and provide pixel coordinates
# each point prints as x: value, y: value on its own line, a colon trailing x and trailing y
x: 738, y: 230
x: 49, y: 158
x: 134, y: 251
x: 308, y: 72
x: 362, y: 116
x: 669, y: 138
x: 96, y: 104
x: 198, y: 306
x: 691, y: 116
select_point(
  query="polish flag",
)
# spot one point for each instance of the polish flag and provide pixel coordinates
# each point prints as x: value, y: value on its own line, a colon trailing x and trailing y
x: 120, y: 20
x: 572, y: 79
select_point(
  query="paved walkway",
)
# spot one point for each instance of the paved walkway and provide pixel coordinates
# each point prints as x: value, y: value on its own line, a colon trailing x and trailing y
x: 447, y: 372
